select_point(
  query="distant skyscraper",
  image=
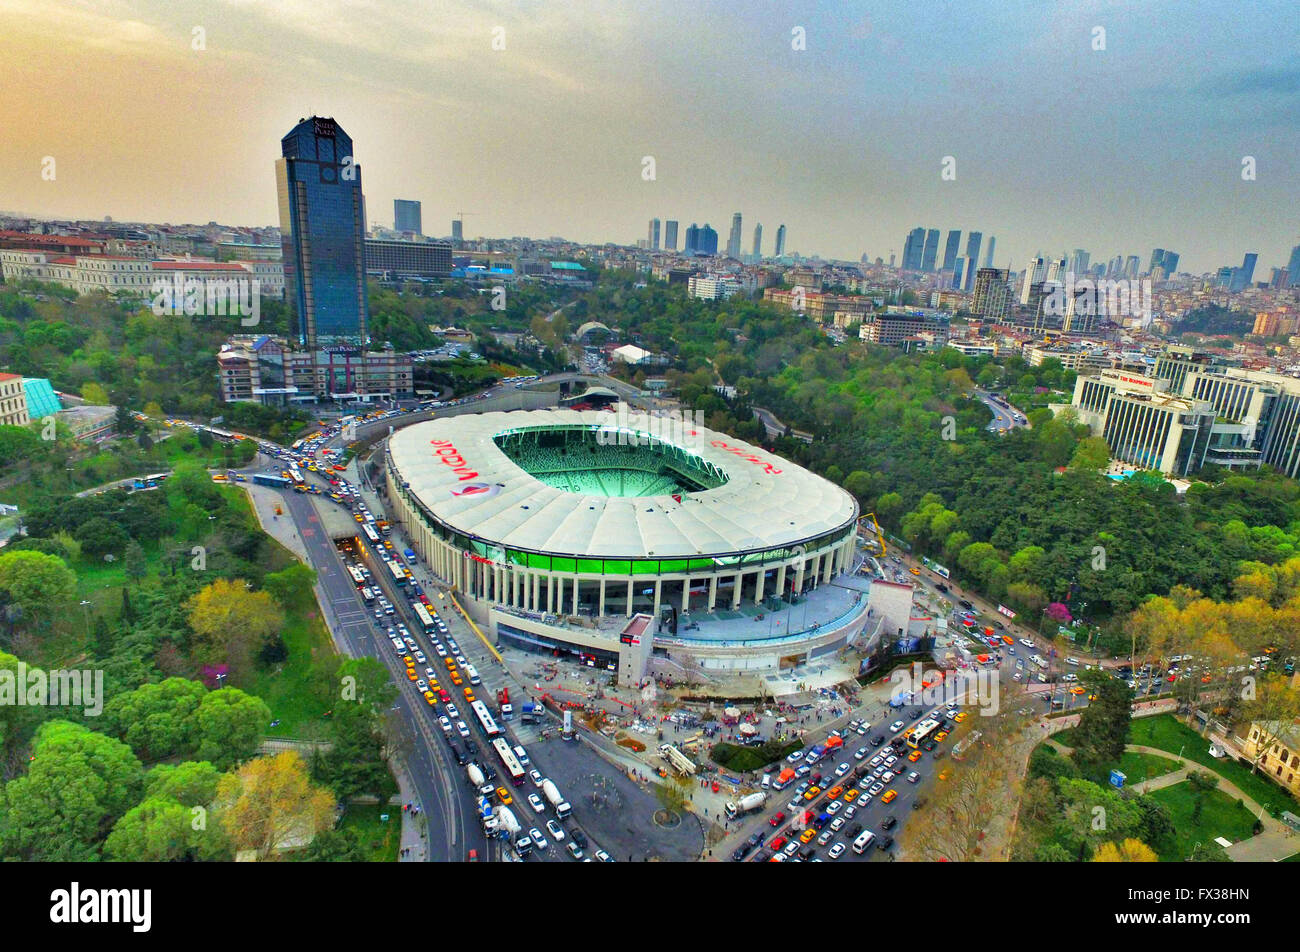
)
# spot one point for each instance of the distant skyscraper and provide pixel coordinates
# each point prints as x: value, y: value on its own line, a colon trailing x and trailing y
x: 406, y: 215
x: 1170, y: 263
x: 1157, y: 260
x: 931, y: 249
x: 1035, y: 273
x: 733, y: 240
x: 780, y: 241
x: 670, y: 235
x: 758, y: 241
x: 988, y: 258
x: 958, y: 267
x: 1132, y: 266
x: 913, y: 249
x: 457, y: 232
x: 1079, y: 261
x: 951, y: 249
x: 322, y: 230
x: 708, y: 241
x: 973, y: 240
x: 652, y: 235
x: 1243, y: 276
x: 992, y: 294
x: 1293, y: 268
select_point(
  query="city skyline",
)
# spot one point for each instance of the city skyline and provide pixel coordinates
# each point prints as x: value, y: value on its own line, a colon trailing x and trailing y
x: 1172, y: 175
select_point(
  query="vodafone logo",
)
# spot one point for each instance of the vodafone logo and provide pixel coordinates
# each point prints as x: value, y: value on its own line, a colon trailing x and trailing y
x: 476, y: 489
x: 450, y: 456
x: 750, y: 457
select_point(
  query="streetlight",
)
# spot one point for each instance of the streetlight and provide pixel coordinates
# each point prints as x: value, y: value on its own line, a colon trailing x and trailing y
x: 85, y: 608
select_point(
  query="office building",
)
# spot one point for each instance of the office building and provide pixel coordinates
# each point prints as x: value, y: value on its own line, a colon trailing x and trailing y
x: 1157, y: 260
x: 406, y: 216
x: 733, y: 240
x: 913, y: 249
x: 670, y: 235
x: 931, y: 251
x: 322, y: 228
x: 973, y: 240
x: 1293, y: 267
x: 692, y: 244
x: 457, y: 232
x: 951, y: 249
x: 1132, y: 266
x: 713, y: 287
x: 271, y: 371
x: 992, y: 294
x: 901, y: 327
x: 758, y: 241
x: 1035, y: 274
x: 708, y: 244
x: 1243, y: 276
x: 958, y: 267
x: 396, y: 260
x: 652, y: 235
x: 988, y: 258
x: 780, y: 241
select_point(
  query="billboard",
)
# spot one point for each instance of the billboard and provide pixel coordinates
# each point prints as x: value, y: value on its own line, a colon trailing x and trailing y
x: 1006, y: 611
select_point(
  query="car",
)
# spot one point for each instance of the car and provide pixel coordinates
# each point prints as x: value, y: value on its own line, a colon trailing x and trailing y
x: 802, y: 770
x: 918, y: 803
x: 422, y: 686
x: 914, y: 756
x: 538, y: 840
x: 574, y: 850
x: 778, y: 819
x: 849, y: 811
x: 895, y: 727
x: 929, y: 744
x: 891, y: 760
x: 842, y: 769
x: 888, y: 776
x: 812, y: 792
x: 885, y: 842
x: 851, y: 795
x: 443, y: 696
x: 941, y: 736
x: 1078, y: 690
x: 835, y: 807
x: 791, y: 848
x: 860, y: 753
x: 1026, y: 642
x: 777, y: 843
x: 504, y: 796
x: 445, y: 724
x: 889, y: 797
x: 836, y: 851
x: 555, y: 830
x: 452, y: 711
x: 430, y: 698
x: 535, y: 802
x: 807, y: 835
x: 826, y: 837
x: 877, y: 740
x: 876, y: 761
x: 889, y: 822
x: 837, y: 824
x: 603, y: 857
x: 536, y: 778
x: 462, y: 729
x: 834, y: 792
x: 797, y: 756
x: 961, y: 716
x: 875, y: 789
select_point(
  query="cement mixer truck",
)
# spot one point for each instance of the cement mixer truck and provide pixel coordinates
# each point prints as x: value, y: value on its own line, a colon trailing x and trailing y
x: 475, y: 774
x: 556, y: 799
x: 746, y: 804
x: 506, y: 821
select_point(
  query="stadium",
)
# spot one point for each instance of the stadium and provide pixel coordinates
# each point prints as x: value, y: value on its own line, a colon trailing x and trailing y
x: 604, y: 536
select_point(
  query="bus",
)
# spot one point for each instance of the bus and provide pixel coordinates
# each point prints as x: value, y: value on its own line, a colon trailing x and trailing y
x: 425, y: 619
x: 921, y: 731
x: 296, y: 475
x: 370, y: 533
x: 399, y: 575
x: 356, y: 575
x: 485, y: 720
x: 509, y: 761
x: 368, y: 594
x: 298, y: 445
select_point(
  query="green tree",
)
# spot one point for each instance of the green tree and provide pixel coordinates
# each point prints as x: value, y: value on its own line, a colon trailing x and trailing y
x: 38, y: 584
x: 1092, y: 453
x: 164, y: 831
x: 231, y: 725
x: 157, y: 720
x: 1103, y: 728
x: 99, y: 537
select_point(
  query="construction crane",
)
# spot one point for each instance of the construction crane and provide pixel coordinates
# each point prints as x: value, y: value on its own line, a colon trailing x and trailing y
x: 880, y: 536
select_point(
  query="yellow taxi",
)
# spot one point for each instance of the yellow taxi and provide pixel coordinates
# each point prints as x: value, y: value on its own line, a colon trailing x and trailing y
x: 961, y: 716
x: 1077, y: 690
x: 504, y: 796
x: 456, y: 679
x: 430, y: 698
x: 834, y: 792
x: 851, y: 795
x: 812, y: 792
x: 807, y: 835
x: 889, y: 796
x: 411, y: 675
x: 914, y: 756
x: 469, y: 694
x: 942, y: 735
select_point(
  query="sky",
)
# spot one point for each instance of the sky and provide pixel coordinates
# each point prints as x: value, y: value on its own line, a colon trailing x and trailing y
x: 172, y: 111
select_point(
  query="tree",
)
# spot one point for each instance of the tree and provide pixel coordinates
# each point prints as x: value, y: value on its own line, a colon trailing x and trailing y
x: 354, y: 764
x: 160, y: 830
x: 291, y: 586
x: 1126, y: 851
x: 1103, y: 729
x: 134, y: 562
x: 94, y: 394
x: 232, y: 623
x: 1273, y: 709
x: 157, y: 720
x: 231, y: 725
x: 191, y: 783
x: 336, y: 846
x: 270, y: 803
x: 78, y: 784
x: 38, y: 584
x: 99, y: 537
x: 1201, y: 782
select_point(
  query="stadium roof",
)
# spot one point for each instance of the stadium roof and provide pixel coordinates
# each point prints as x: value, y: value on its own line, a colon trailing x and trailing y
x: 767, y: 502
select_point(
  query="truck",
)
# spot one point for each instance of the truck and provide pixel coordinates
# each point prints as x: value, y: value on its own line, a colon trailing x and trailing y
x: 530, y: 712
x: 783, y: 779
x: 507, y: 709
x: 746, y: 804
x: 834, y: 741
x: 816, y: 754
x: 506, y: 821
x: 679, y: 761
x: 556, y: 799
x: 486, y: 814
x: 477, y: 780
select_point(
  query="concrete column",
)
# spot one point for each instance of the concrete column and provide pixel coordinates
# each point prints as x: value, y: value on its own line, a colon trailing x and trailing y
x: 577, y: 589
x: 830, y: 566
x: 559, y: 594
x: 798, y: 576
x: 601, y: 610
x: 514, y: 588
x: 758, y: 586
x: 735, y: 592
x: 780, y: 579
x: 537, y: 591
x: 550, y: 593
x: 686, y: 594
x: 658, y: 591
x: 713, y: 592
x: 629, y: 598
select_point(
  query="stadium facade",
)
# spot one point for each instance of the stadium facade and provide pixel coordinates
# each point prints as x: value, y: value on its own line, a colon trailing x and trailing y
x: 577, y: 531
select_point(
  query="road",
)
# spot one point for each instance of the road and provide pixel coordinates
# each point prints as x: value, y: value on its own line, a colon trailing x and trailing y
x: 1003, y: 419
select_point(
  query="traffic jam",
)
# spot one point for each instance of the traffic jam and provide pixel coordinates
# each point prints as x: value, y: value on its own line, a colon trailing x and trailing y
x: 496, y: 768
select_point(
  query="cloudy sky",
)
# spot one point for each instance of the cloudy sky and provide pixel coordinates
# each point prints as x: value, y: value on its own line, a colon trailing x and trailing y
x: 1056, y: 145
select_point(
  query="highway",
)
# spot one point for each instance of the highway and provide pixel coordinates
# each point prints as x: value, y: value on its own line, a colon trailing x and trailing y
x: 1003, y: 418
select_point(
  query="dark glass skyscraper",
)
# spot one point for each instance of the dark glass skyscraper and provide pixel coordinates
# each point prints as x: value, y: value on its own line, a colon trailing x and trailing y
x: 931, y: 249
x: 406, y: 215
x: 708, y: 240
x: 973, y: 241
x: 670, y: 235
x: 951, y: 250
x: 692, y: 239
x: 780, y: 241
x: 322, y: 229
x: 912, y: 249
x: 1293, y: 268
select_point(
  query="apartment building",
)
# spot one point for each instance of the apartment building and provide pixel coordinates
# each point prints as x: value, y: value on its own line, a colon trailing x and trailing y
x: 13, y: 401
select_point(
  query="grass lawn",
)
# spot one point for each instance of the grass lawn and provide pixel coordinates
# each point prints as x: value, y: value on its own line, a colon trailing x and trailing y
x: 1220, y: 816
x: 381, y: 840
x: 1168, y: 733
x: 287, y: 688
x: 1138, y: 766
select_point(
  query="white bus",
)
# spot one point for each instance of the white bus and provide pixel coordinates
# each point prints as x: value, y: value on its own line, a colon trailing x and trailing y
x: 921, y: 731
x: 509, y: 761
x: 425, y: 619
x: 356, y: 575
x: 485, y: 721
x: 296, y: 475
x: 395, y: 569
x: 371, y: 534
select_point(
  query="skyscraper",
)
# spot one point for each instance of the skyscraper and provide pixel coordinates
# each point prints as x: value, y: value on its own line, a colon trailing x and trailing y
x: 692, y: 239
x: 958, y: 266
x: 1243, y: 276
x: 973, y: 240
x: 708, y: 240
x: 322, y: 229
x: 1079, y: 261
x: 652, y: 234
x: 1132, y: 266
x: 758, y: 241
x: 951, y: 249
x: 1157, y: 259
x: 1293, y: 268
x: 1035, y: 273
x: 406, y: 215
x: 1170, y: 264
x: 733, y: 240
x: 913, y: 247
x: 670, y: 235
x: 992, y: 294
x: 988, y: 259
x: 931, y: 249
x: 780, y: 241
x: 457, y: 232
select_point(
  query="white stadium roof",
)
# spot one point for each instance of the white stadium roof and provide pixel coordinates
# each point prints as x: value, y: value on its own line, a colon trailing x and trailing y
x: 767, y: 503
